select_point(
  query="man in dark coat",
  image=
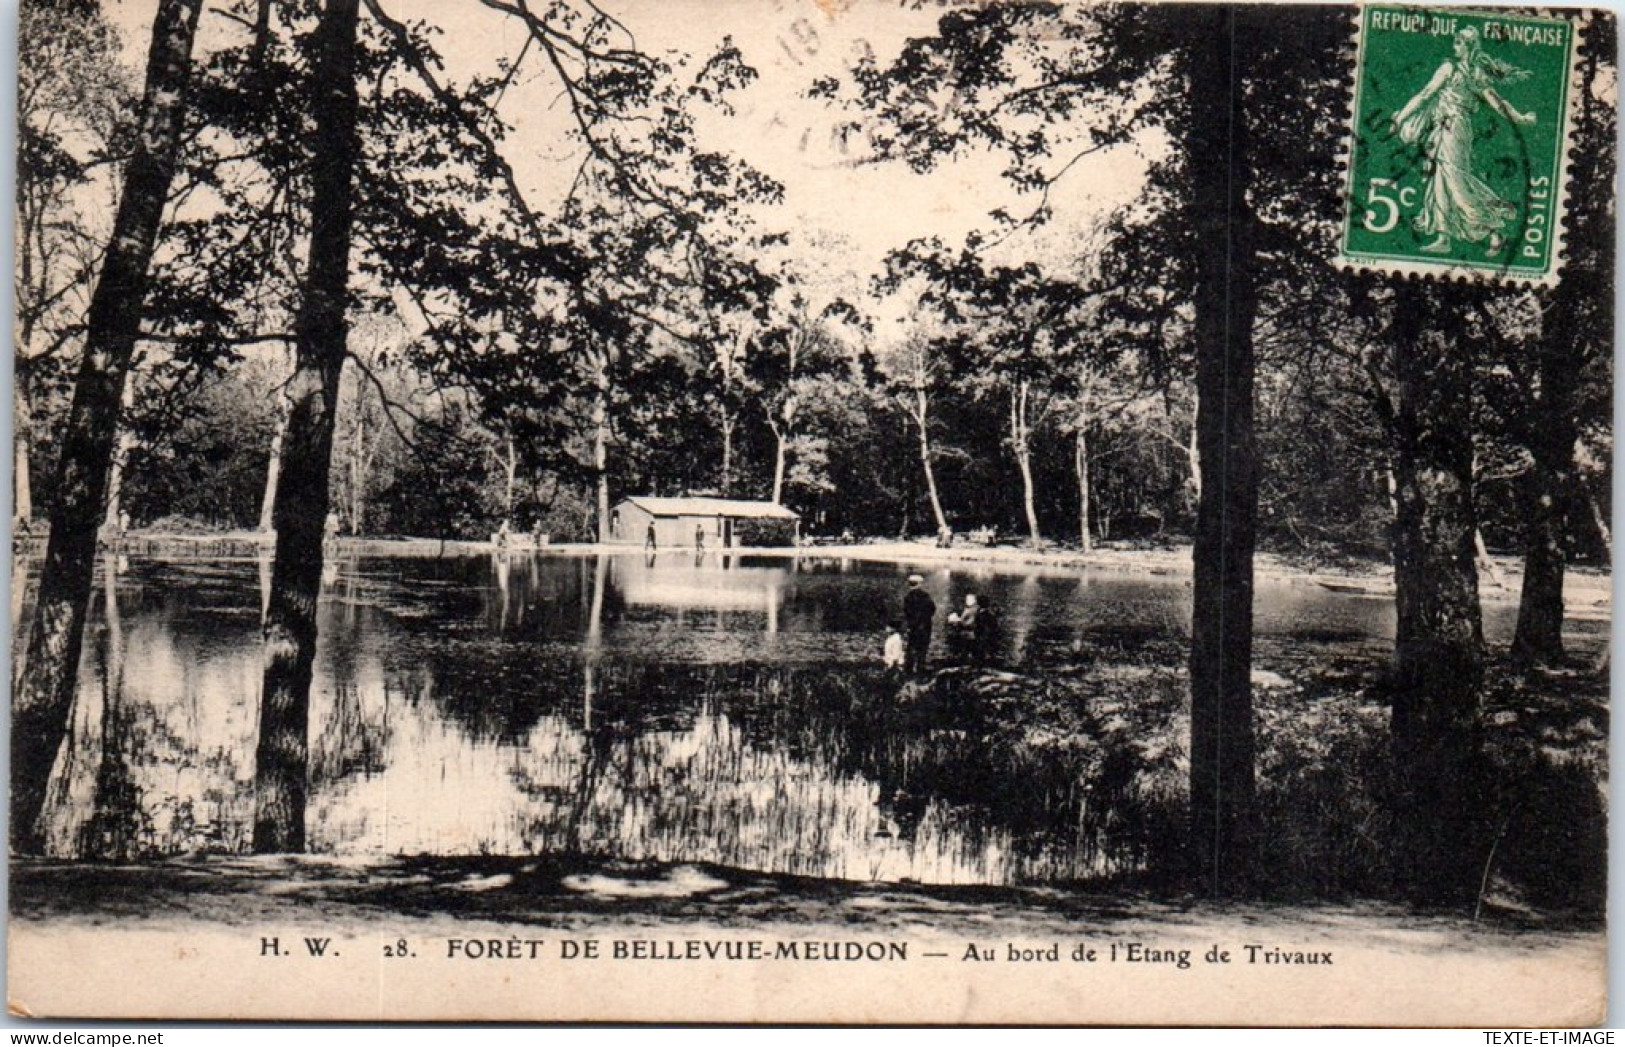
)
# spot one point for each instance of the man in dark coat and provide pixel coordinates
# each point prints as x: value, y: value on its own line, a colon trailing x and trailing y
x: 918, y: 612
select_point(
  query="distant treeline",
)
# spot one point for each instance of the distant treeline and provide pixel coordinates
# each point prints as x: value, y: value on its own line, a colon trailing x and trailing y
x: 1321, y: 496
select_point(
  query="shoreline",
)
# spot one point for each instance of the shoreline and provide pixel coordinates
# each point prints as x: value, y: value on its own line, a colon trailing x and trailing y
x: 1587, y: 590
x: 581, y: 890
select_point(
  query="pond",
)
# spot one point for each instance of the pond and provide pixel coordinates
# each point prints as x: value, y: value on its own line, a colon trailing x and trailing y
x: 723, y: 708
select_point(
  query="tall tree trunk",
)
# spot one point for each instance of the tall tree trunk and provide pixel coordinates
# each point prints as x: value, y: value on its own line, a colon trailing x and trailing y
x: 357, y: 478
x: 1552, y: 485
x: 1222, y: 784
x: 921, y: 420
x: 1485, y: 562
x: 22, y: 488
x: 600, y: 446
x: 1080, y: 456
x: 1021, y: 441
x: 510, y: 476
x: 43, y: 694
x: 356, y: 465
x: 1538, y: 639
x: 1599, y: 520
x: 121, y: 458
x: 779, y: 442
x: 302, y: 486
x: 727, y: 417
x: 1080, y: 462
x: 273, y: 467
x: 1439, y: 641
x: 115, y: 481
x: 727, y: 422
x: 1193, y: 448
x: 785, y: 427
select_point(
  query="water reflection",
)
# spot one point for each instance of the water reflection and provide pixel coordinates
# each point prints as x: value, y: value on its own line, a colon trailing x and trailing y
x: 159, y: 754
x: 724, y: 708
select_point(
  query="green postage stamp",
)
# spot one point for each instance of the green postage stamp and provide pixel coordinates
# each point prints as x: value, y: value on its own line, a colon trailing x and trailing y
x: 1456, y: 159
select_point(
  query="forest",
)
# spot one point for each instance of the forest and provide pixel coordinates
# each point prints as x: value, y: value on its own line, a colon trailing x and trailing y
x: 302, y: 257
x: 801, y: 401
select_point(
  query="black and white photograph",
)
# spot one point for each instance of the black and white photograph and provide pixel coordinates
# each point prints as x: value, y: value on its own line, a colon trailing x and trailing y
x: 811, y: 511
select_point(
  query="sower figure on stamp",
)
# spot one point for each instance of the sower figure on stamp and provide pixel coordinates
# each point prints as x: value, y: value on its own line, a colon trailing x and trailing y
x: 1458, y: 205
x: 918, y: 611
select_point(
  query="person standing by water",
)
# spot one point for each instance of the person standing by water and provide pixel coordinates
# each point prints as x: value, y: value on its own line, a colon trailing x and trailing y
x: 918, y: 612
x: 649, y: 541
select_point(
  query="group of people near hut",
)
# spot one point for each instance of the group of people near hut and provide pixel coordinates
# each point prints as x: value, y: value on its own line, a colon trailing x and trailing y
x: 908, y: 642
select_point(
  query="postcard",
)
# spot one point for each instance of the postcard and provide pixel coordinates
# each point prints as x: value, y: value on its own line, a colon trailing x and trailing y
x: 819, y: 511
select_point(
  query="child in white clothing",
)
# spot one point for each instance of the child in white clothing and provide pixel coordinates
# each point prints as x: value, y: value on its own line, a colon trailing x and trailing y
x: 892, y: 653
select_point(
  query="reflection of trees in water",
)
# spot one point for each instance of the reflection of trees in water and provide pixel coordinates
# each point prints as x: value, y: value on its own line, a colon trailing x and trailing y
x: 352, y: 734
x: 817, y: 774
x: 438, y: 792
x: 437, y: 735
x: 814, y: 776
x: 938, y: 761
x: 524, y: 595
x: 604, y: 738
x: 1016, y: 620
x: 498, y: 675
x: 151, y: 764
x: 70, y: 797
x: 112, y: 829
x: 492, y: 695
x: 350, y: 720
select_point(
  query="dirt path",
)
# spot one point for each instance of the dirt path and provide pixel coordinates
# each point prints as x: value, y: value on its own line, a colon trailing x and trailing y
x: 512, y: 935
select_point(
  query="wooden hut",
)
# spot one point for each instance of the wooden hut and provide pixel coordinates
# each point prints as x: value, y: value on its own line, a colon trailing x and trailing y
x: 720, y: 523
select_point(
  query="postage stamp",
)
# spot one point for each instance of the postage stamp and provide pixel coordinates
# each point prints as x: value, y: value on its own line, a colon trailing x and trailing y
x: 1458, y: 144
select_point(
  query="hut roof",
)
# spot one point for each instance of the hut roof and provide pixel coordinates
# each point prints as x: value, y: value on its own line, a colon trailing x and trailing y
x: 732, y: 507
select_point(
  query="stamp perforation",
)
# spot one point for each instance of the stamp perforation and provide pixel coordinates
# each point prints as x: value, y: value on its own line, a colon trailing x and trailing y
x: 1409, y: 265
